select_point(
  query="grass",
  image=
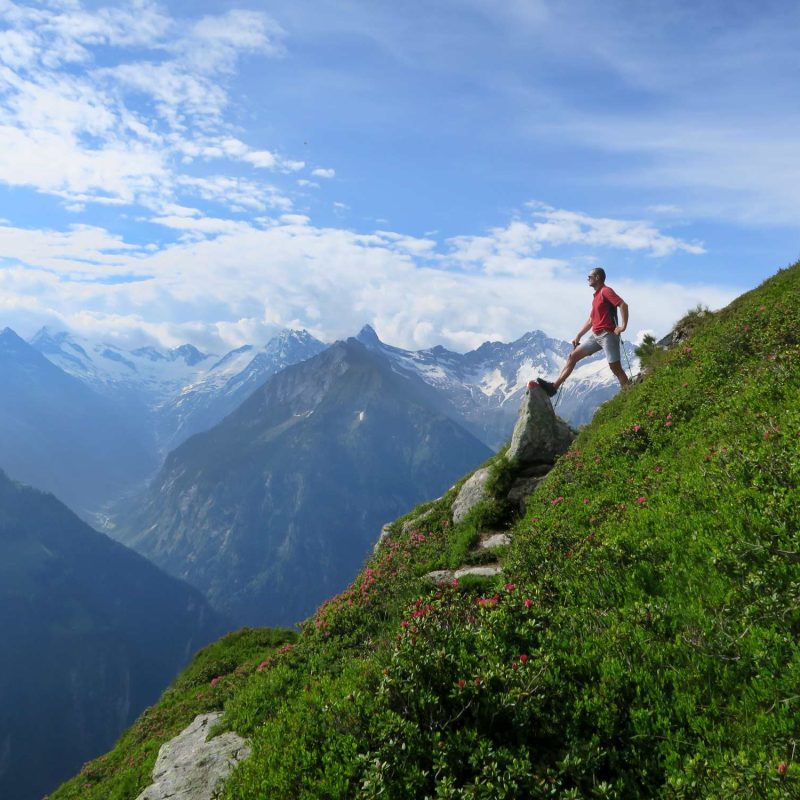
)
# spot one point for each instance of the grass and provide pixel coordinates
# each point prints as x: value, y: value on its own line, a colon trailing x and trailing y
x: 642, y: 644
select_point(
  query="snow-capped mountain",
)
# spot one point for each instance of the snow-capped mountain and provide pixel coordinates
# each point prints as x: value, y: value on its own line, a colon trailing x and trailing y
x: 485, y: 386
x: 172, y: 394
x: 229, y: 382
x: 175, y: 392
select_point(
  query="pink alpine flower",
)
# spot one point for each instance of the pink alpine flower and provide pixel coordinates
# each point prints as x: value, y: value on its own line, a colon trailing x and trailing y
x: 216, y: 680
x: 528, y: 602
x: 782, y: 767
x: 557, y: 500
x: 641, y: 500
x: 523, y: 659
x: 510, y: 587
x: 461, y: 683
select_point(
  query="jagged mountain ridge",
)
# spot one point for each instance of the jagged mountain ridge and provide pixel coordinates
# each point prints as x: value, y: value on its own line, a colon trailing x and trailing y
x: 250, y: 511
x: 186, y: 391
x: 92, y: 632
x: 485, y: 386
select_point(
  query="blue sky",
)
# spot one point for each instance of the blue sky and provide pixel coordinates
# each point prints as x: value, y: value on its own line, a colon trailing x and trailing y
x: 448, y: 172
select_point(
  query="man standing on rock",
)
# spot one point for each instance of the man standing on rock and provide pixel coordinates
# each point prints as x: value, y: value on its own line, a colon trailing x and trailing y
x: 605, y: 333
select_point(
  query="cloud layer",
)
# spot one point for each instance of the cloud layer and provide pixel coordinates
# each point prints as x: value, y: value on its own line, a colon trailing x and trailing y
x: 230, y: 282
x: 171, y: 215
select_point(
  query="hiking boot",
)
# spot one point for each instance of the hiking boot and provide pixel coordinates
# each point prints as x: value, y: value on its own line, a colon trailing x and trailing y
x: 548, y: 387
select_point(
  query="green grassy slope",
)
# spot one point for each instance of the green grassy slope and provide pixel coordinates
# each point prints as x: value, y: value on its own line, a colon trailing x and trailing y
x: 643, y: 643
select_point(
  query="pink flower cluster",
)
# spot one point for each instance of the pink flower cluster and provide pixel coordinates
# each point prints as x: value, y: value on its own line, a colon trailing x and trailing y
x: 393, y: 552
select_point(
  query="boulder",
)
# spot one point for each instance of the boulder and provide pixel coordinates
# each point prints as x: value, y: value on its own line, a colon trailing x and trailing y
x: 539, y: 436
x: 190, y: 767
x: 485, y: 571
x: 491, y: 541
x: 441, y: 576
x: 385, y: 531
x: 472, y: 493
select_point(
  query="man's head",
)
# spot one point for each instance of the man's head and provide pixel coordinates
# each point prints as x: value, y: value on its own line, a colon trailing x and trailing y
x: 597, y: 277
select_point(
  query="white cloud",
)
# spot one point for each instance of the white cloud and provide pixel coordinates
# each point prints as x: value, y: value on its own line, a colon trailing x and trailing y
x: 229, y: 280
x: 215, y: 42
x: 319, y: 172
x: 513, y: 249
x: 200, y: 225
x: 128, y: 132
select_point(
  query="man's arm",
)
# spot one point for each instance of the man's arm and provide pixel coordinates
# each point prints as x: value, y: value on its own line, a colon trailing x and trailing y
x: 623, y: 312
x: 587, y: 325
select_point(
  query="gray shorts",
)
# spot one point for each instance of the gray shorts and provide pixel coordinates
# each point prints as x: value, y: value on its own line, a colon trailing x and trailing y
x: 606, y: 341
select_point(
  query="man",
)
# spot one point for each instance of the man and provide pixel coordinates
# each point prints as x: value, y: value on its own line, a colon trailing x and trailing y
x: 605, y: 333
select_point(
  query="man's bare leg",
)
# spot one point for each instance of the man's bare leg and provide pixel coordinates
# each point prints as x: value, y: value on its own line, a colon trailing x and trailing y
x: 572, y: 359
x: 619, y: 372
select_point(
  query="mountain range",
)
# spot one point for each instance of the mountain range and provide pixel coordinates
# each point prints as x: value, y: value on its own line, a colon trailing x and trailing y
x: 173, y: 393
x: 248, y: 475
x: 92, y: 421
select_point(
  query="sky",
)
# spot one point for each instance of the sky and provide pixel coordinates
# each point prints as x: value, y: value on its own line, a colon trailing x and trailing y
x: 448, y: 172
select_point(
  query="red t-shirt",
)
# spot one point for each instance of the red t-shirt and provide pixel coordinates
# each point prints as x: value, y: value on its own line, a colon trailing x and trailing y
x: 603, y: 318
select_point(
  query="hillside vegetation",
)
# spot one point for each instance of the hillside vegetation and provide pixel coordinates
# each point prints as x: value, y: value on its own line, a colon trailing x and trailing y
x: 643, y: 642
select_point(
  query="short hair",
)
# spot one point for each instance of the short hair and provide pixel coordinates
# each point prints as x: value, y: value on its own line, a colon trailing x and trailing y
x: 601, y: 273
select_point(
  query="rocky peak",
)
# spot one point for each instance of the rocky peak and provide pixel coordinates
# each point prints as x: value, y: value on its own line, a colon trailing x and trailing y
x: 188, y: 353
x: 368, y: 337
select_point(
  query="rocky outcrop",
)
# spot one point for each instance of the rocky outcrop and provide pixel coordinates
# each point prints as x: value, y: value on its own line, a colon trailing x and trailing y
x: 472, y: 492
x: 539, y: 436
x: 193, y: 767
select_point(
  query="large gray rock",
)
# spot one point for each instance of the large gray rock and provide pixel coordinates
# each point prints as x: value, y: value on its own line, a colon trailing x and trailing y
x: 190, y: 768
x: 386, y: 531
x: 491, y: 541
x: 472, y: 493
x: 539, y: 436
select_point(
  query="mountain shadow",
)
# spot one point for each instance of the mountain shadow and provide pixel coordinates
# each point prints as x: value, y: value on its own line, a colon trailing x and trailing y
x: 92, y: 633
